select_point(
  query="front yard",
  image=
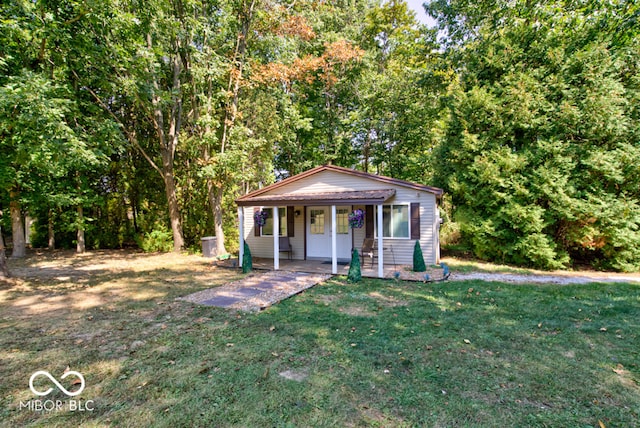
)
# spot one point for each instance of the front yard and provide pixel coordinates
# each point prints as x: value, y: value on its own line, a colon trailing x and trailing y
x: 377, y: 353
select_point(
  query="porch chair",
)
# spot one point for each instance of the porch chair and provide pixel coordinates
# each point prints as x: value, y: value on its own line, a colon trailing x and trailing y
x: 368, y: 250
x: 285, y: 246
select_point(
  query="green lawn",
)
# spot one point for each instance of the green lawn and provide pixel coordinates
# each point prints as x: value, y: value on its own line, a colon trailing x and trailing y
x: 378, y: 353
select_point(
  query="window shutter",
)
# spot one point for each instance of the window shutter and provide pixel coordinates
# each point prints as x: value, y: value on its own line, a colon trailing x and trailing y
x: 368, y: 221
x: 290, y: 222
x: 256, y: 228
x: 415, y: 220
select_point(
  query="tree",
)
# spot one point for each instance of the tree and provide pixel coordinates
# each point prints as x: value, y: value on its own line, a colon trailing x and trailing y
x: 4, y: 270
x: 354, y: 275
x: 540, y: 139
x: 418, y: 259
x: 149, y: 63
x: 247, y: 261
x: 35, y: 139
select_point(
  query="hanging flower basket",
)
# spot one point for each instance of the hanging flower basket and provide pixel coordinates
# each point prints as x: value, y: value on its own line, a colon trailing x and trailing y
x: 356, y: 219
x: 260, y: 218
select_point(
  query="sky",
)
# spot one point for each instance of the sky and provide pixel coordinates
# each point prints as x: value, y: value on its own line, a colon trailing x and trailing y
x: 416, y: 6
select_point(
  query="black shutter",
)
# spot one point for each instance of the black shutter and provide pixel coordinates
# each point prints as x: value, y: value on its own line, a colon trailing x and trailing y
x: 256, y: 228
x: 368, y: 221
x: 290, y: 222
x: 415, y: 220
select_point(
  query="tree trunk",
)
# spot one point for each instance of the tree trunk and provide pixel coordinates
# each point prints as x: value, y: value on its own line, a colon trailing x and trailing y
x: 80, y: 246
x: 217, y: 211
x: 215, y: 202
x: 17, y: 225
x: 174, y: 210
x: 229, y: 116
x: 4, y: 270
x: 168, y: 142
x: 52, y: 236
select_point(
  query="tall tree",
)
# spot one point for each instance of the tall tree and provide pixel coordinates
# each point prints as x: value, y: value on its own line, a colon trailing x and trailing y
x: 540, y: 142
x: 35, y: 139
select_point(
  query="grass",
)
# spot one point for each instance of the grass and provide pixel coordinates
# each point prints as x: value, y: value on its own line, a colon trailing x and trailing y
x: 469, y: 265
x: 376, y: 353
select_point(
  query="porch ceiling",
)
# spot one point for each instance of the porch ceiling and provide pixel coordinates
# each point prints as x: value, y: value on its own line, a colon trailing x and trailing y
x: 360, y: 197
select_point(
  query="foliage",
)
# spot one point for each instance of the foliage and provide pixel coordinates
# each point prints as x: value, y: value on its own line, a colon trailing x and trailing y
x: 356, y: 219
x: 355, y: 274
x: 539, y: 150
x: 418, y: 259
x: 526, y: 113
x: 247, y: 260
x: 260, y: 218
x: 156, y: 241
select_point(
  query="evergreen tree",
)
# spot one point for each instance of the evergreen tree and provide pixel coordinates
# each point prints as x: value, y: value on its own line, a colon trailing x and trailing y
x: 355, y: 274
x: 418, y: 259
x: 540, y: 151
x: 247, y: 261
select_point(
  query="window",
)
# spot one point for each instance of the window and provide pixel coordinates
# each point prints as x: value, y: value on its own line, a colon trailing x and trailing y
x: 267, y: 229
x: 342, y: 220
x: 317, y: 222
x: 395, y: 221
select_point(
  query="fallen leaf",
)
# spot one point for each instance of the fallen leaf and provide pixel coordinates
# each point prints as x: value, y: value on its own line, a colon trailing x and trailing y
x: 601, y: 424
x: 467, y: 341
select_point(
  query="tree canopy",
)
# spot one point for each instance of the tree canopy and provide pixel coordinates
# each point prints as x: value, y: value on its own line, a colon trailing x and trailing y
x: 126, y: 123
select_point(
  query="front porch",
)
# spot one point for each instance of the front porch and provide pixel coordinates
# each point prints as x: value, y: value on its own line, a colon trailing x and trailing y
x: 318, y: 266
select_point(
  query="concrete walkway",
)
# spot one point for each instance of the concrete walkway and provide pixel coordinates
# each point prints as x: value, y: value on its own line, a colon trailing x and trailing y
x: 257, y: 291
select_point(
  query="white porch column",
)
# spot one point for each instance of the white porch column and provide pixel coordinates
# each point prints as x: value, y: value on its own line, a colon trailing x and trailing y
x: 276, y: 239
x: 241, y: 233
x: 334, y: 247
x: 380, y: 244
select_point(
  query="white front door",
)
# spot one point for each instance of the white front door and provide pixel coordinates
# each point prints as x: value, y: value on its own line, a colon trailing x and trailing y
x: 319, y: 233
x: 343, y: 233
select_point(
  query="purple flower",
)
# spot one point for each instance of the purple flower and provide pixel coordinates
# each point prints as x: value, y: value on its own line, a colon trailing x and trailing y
x: 356, y: 219
x: 260, y: 218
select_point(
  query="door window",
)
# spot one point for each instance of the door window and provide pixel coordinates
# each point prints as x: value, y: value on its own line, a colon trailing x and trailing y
x: 317, y: 222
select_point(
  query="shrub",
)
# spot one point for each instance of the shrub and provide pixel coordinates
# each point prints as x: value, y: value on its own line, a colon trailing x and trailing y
x: 156, y: 240
x: 247, y: 261
x: 355, y: 274
x: 418, y: 259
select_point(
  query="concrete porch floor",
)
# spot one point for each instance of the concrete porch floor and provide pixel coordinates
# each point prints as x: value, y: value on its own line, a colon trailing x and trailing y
x: 319, y: 266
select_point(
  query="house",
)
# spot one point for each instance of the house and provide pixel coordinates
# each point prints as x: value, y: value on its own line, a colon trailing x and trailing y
x: 313, y: 212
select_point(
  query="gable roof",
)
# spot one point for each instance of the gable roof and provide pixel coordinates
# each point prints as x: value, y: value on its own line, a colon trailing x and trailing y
x: 255, y: 195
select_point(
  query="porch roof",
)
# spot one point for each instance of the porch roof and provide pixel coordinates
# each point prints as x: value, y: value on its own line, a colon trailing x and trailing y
x: 331, y: 198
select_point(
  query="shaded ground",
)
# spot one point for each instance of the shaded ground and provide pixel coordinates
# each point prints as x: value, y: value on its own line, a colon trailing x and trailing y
x: 376, y: 353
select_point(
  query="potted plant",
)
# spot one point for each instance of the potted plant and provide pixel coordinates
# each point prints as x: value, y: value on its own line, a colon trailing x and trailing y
x: 260, y: 218
x: 356, y: 219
